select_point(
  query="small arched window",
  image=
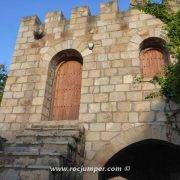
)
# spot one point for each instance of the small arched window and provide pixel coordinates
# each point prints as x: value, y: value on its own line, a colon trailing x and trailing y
x: 153, y: 57
x: 67, y: 88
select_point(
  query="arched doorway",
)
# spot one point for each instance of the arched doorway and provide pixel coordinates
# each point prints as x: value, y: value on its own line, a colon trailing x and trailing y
x: 66, y: 74
x: 145, y: 160
x: 153, y: 56
x: 152, y: 62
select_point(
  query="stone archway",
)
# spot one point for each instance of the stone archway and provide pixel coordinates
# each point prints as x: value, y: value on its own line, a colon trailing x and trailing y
x: 64, y: 66
x: 70, y: 48
x: 124, y: 139
x: 66, y: 75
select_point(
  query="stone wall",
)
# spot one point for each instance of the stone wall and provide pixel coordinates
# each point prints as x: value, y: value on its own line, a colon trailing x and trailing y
x: 110, y: 102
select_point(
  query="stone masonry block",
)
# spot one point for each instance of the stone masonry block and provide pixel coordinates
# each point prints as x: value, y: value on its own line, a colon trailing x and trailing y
x: 102, y: 97
x: 109, y: 7
x: 110, y: 72
x: 87, y: 117
x: 94, y: 73
x: 95, y: 107
x: 126, y: 126
x: 15, y: 126
x: 107, y: 88
x: 104, y: 117
x: 106, y: 136
x: 86, y: 98
x: 113, y: 127
x: 101, y: 81
x: 133, y: 117
x: 120, y: 117
x: 110, y: 106
x: 122, y: 87
x: 93, y: 136
x: 117, y: 96
x: 124, y: 106
x: 128, y: 79
x: 87, y: 82
x: 141, y: 106
x: 134, y: 96
x: 97, y: 127
x: 146, y: 116
x: 38, y: 101
x: 116, y: 80
x: 19, y: 109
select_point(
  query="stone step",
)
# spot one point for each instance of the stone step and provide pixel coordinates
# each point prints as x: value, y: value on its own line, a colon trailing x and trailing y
x: 45, y: 148
x: 57, y: 146
x: 47, y: 128
x: 42, y: 139
x: 60, y: 133
x: 70, y: 142
x: 37, y: 148
x: 34, y: 173
x: 26, y: 158
x: 56, y: 126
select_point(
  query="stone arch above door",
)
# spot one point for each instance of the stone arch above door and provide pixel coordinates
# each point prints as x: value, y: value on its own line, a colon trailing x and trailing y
x: 66, y: 74
x: 63, y: 59
x: 149, y: 159
x: 122, y: 140
x: 81, y: 46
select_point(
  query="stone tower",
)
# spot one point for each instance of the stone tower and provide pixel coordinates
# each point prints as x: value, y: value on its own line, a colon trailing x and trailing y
x: 70, y: 98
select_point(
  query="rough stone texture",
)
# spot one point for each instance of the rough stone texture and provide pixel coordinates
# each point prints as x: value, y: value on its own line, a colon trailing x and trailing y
x: 35, y: 150
x: 110, y: 102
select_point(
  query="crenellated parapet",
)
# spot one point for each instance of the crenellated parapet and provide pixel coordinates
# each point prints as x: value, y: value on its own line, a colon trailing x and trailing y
x: 79, y: 24
x: 54, y: 22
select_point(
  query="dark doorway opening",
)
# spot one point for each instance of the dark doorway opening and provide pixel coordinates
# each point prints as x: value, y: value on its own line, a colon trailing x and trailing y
x: 148, y: 160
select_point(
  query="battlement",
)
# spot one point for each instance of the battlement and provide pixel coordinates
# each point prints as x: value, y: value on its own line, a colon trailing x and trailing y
x: 31, y: 20
x: 109, y: 7
x: 77, y: 12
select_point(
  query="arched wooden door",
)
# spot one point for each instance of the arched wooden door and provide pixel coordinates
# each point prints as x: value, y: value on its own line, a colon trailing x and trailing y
x: 67, y: 91
x: 152, y: 61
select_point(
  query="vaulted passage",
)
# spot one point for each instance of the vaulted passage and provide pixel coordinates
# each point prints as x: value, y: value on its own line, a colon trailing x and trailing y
x: 148, y: 160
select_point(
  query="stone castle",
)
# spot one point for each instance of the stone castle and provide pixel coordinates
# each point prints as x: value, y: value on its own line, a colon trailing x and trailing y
x: 70, y: 98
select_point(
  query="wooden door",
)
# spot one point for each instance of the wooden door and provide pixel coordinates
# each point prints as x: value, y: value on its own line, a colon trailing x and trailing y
x: 67, y: 91
x: 152, y: 61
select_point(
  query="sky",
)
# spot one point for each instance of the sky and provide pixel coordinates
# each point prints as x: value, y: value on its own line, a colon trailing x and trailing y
x: 11, y: 12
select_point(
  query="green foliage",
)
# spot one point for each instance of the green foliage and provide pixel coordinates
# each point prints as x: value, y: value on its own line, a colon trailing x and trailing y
x: 161, y: 11
x: 3, y: 77
x: 172, y: 23
x: 170, y: 81
x: 173, y: 34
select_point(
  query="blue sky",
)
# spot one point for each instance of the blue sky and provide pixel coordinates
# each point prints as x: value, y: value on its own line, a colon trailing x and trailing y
x: 11, y: 12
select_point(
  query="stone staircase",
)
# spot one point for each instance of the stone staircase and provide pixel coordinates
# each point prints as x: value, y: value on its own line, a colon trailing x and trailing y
x: 35, y: 150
